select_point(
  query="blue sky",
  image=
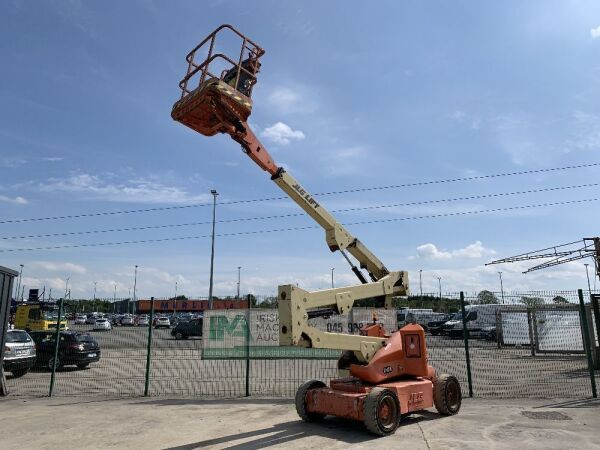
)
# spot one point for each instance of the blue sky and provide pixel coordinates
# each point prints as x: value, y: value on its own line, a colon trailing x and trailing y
x: 350, y: 96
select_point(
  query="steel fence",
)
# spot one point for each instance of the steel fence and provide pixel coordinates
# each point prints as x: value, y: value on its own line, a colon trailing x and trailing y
x: 506, y: 345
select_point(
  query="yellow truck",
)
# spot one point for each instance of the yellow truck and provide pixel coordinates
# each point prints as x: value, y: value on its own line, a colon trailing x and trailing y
x: 37, y: 316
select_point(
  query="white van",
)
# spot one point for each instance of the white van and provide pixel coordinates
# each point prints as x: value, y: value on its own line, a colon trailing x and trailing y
x: 480, y: 320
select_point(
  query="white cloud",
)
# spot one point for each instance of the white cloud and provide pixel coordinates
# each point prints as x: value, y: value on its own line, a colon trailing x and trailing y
x: 140, y: 190
x: 13, y: 162
x: 282, y: 134
x: 16, y: 200
x: 65, y: 267
x: 52, y: 158
x: 595, y: 32
x: 430, y: 251
x: 471, y: 251
x: 474, y: 250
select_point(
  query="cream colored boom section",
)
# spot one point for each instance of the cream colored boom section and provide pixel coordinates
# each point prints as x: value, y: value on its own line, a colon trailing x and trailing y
x: 294, y: 304
x: 337, y: 237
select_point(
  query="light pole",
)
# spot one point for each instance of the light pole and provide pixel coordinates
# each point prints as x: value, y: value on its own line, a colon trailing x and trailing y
x: 588, y: 278
x: 134, y: 287
x: 66, y: 286
x: 175, y: 300
x: 95, y: 283
x: 19, y: 283
x: 212, y: 250
x: 332, y: 269
x: 501, y: 287
x: 440, y: 286
x: 115, y: 297
x: 421, y: 282
x: 238, y: 284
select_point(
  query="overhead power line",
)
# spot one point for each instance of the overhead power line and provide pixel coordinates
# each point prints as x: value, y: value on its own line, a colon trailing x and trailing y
x: 346, y: 191
x: 240, y: 233
x: 281, y: 216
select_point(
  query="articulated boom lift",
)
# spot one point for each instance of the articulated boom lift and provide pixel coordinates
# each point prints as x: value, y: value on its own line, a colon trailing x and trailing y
x: 388, y: 375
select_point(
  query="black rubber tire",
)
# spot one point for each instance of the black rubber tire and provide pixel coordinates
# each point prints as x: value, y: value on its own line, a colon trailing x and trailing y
x: 51, y: 363
x: 375, y: 423
x: 19, y: 373
x: 83, y: 366
x: 301, y: 401
x: 447, y: 396
x: 179, y: 335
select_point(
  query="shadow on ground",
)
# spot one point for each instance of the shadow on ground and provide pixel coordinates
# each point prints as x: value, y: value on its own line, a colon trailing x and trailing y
x: 347, y: 431
x: 580, y: 403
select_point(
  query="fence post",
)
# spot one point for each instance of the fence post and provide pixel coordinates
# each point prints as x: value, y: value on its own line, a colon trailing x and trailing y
x: 586, y: 342
x: 596, y: 317
x: 531, y: 323
x: 248, y: 352
x: 56, y: 344
x: 149, y: 348
x: 466, y: 341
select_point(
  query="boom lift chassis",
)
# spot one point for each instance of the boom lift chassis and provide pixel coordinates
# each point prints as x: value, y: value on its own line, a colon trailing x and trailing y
x: 385, y: 377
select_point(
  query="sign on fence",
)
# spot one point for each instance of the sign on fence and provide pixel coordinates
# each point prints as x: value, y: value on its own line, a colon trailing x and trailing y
x: 236, y: 333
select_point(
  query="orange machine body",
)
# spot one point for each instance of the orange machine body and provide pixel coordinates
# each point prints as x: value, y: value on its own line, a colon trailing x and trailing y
x: 400, y: 365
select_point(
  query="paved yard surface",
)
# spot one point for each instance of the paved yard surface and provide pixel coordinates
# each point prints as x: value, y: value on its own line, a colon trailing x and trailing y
x: 260, y: 423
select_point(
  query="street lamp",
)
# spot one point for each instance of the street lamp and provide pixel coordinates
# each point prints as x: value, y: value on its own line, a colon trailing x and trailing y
x: 501, y: 286
x: 115, y: 299
x: 332, y: 269
x: 175, y: 300
x: 212, y: 250
x: 134, y: 287
x: 95, y: 283
x: 67, y: 286
x: 19, y: 283
x: 440, y: 286
x: 421, y: 282
x: 238, y: 283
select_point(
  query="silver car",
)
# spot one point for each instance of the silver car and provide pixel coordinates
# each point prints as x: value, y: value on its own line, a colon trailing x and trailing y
x: 19, y: 352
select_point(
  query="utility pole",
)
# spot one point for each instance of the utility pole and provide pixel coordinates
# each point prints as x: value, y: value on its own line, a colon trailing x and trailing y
x: 19, y: 282
x: 238, y: 283
x: 212, y: 251
x: 421, y: 282
x: 440, y: 286
x: 134, y: 287
x: 501, y: 286
x: 23, y: 293
x: 332, y: 269
x: 66, y: 286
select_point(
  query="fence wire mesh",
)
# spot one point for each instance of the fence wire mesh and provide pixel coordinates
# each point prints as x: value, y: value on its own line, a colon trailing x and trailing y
x: 520, y: 344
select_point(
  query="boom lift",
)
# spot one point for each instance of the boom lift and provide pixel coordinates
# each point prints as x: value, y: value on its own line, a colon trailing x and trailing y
x: 384, y: 376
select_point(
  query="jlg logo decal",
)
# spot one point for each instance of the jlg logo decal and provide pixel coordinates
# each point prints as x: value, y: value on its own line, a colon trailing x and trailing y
x: 415, y: 397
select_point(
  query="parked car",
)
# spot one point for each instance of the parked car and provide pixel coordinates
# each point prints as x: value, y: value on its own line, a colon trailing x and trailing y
x: 80, y: 319
x: 184, y: 330
x: 102, y: 325
x: 127, y: 321
x: 90, y: 319
x: 435, y: 326
x: 143, y: 321
x: 162, y: 322
x: 74, y: 348
x: 19, y: 352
